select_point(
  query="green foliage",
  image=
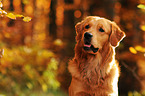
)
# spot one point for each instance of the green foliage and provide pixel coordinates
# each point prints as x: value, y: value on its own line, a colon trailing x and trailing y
x: 24, y: 70
x: 135, y: 93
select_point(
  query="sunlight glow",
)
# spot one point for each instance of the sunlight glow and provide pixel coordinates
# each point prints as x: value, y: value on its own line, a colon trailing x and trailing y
x: 115, y: 81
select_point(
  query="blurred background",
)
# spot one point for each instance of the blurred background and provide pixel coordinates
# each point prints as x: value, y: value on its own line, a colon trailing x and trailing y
x: 34, y: 55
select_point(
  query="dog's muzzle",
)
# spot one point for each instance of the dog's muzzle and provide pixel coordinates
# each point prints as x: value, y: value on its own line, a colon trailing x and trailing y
x: 87, y: 43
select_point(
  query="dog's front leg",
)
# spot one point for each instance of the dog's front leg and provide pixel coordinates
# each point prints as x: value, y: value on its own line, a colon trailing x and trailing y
x: 77, y: 88
x: 82, y: 94
x: 72, y: 93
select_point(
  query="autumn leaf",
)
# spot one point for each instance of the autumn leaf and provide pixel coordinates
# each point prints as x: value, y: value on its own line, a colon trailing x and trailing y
x: 27, y: 19
x: 2, y: 95
x: 25, y: 1
x: 140, y: 48
x: 29, y: 85
x: 58, y: 42
x: 141, y: 6
x: 130, y: 93
x: 132, y: 50
x: 18, y: 15
x: 142, y: 27
x: 4, y: 12
x: 11, y: 15
x: 1, y: 52
x: 44, y: 87
x: 1, y: 5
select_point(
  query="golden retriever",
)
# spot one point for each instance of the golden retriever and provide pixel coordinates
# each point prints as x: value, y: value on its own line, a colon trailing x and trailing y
x: 94, y: 69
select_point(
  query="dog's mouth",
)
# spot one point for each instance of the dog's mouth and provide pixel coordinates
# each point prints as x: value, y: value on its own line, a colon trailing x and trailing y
x: 88, y: 47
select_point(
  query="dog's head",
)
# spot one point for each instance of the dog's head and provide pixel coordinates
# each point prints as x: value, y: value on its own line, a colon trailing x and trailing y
x: 94, y: 32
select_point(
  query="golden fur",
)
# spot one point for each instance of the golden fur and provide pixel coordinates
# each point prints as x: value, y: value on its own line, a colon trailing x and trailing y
x: 95, y: 73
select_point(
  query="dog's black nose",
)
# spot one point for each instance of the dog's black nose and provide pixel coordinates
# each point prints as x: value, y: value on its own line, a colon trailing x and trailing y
x: 88, y: 35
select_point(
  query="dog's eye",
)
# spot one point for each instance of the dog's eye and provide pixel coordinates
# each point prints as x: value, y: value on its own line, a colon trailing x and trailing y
x: 87, y: 26
x: 101, y: 30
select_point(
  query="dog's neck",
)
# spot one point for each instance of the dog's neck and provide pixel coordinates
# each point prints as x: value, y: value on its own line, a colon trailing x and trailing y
x: 104, y: 58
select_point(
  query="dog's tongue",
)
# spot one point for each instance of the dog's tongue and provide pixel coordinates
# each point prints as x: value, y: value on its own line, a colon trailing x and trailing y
x: 85, y: 45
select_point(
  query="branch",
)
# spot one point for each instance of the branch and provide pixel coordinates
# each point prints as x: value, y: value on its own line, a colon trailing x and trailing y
x: 132, y: 71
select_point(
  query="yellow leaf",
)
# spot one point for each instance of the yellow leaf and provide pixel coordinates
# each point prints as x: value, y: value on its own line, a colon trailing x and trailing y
x: 130, y: 94
x: 58, y: 42
x: 11, y: 15
x: 2, y: 95
x: 1, y: 5
x: 142, y: 27
x: 132, y: 50
x: 4, y: 12
x: 27, y: 19
x: 140, y: 48
x: 29, y: 85
x: 18, y: 15
x: 143, y: 50
x: 25, y: 1
x: 141, y: 6
x: 1, y: 52
x: 44, y: 87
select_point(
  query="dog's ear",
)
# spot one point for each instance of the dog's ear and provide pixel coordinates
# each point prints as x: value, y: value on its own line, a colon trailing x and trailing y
x: 116, y: 35
x: 78, y: 28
